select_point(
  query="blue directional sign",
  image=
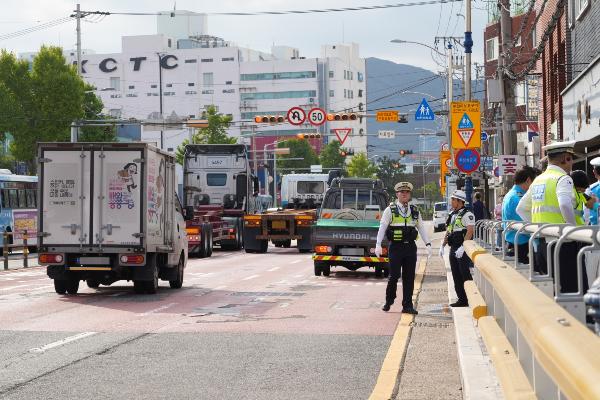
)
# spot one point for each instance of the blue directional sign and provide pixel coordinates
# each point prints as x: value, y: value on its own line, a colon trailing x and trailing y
x: 484, y: 137
x: 424, y: 112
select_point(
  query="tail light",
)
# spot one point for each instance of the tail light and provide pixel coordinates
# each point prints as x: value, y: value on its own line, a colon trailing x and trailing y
x: 304, y: 220
x: 192, y: 231
x: 384, y: 251
x: 323, y: 249
x: 132, y: 259
x: 51, y: 258
x: 252, y: 220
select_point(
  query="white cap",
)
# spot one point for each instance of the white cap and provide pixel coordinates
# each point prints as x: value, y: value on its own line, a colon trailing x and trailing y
x: 560, y: 147
x: 595, y: 162
x: 459, y: 195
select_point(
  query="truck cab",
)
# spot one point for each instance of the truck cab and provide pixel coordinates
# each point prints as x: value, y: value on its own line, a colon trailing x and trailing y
x: 346, y: 231
x: 303, y: 191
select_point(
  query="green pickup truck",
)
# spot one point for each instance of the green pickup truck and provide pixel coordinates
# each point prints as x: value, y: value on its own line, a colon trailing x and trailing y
x: 346, y: 230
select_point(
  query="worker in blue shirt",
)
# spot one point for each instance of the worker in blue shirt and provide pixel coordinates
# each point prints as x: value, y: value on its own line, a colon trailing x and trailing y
x: 523, y: 179
x: 594, y: 190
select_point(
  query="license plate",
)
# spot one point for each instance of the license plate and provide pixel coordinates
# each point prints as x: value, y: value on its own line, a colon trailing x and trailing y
x: 350, y: 251
x: 94, y: 261
x: 278, y: 224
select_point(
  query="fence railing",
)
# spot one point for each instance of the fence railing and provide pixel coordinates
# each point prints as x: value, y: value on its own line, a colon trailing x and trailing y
x: 7, y: 248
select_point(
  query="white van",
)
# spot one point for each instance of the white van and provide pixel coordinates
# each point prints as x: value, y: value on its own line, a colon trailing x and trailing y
x: 440, y: 215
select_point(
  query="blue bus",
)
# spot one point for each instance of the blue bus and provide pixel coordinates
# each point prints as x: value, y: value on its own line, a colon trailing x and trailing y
x: 18, y: 207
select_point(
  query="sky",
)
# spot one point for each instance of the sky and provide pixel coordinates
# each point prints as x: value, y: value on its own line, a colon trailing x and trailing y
x: 371, y: 29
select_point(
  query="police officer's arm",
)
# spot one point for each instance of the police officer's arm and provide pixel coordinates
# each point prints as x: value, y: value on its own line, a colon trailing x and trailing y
x: 422, y: 231
x: 566, y: 198
x: 385, y: 220
x: 468, y: 220
x: 524, y: 207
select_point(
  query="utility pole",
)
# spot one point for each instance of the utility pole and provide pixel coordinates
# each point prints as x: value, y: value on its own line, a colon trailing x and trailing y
x: 468, y: 44
x: 78, y: 16
x: 160, y: 97
x: 509, y: 137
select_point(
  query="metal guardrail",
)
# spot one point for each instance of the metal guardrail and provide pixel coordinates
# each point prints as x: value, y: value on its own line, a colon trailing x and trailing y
x: 6, y: 248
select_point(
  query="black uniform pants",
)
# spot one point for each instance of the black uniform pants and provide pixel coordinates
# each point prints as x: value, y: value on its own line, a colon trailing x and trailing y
x: 403, y: 262
x: 461, y: 273
x: 568, y: 265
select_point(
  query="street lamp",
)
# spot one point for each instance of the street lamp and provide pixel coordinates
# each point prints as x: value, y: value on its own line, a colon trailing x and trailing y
x: 400, y: 41
x: 274, y: 168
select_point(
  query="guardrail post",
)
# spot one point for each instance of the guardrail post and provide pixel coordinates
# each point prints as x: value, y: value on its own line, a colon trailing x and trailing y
x: 25, y: 250
x: 5, y: 250
x: 592, y: 300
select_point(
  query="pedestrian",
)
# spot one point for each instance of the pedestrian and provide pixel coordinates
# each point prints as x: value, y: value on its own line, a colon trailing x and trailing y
x: 583, y: 200
x: 479, y: 208
x: 498, y: 217
x: 402, y: 224
x: 522, y: 181
x: 594, y: 190
x: 461, y: 224
x: 551, y: 200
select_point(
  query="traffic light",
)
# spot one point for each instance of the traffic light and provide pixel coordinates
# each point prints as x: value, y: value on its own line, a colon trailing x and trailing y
x: 308, y: 135
x: 404, y: 152
x: 269, y: 119
x: 402, y: 119
x: 342, y: 117
x: 346, y: 152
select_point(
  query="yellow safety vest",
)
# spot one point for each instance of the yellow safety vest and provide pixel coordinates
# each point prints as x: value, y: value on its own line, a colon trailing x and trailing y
x: 400, y: 226
x: 579, y: 219
x: 544, y: 201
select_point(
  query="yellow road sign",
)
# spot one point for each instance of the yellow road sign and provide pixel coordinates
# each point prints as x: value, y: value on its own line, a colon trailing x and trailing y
x: 465, y: 119
x: 445, y: 162
x: 387, y: 116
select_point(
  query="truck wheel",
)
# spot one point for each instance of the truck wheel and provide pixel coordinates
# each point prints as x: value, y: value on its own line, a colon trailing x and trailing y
x: 326, y: 269
x: 72, y: 286
x: 139, y: 287
x: 239, y: 240
x: 202, y: 248
x: 210, y: 244
x: 92, y: 283
x: 178, y: 283
x: 318, y: 269
x: 378, y: 272
x: 60, y: 286
x: 152, y: 285
x: 264, y: 245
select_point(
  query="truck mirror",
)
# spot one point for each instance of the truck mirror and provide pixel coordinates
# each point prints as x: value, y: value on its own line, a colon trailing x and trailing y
x: 189, y: 213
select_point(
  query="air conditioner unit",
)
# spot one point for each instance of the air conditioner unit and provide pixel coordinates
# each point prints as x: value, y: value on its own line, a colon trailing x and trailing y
x: 311, y: 100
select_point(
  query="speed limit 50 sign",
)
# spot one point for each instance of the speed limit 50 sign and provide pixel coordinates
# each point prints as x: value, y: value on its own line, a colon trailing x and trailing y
x: 316, y: 116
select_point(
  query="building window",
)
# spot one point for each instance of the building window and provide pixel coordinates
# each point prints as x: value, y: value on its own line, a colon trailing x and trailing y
x: 360, y: 93
x: 115, y: 83
x: 191, y: 61
x: 131, y: 87
x: 210, y: 91
x: 279, y: 95
x: 580, y: 7
x: 345, y: 92
x: 331, y: 74
x: 169, y: 94
x: 206, y: 60
x: 192, y: 116
x: 131, y: 95
x: 228, y: 90
x: 153, y: 86
x: 169, y: 43
x: 361, y: 77
x: 191, y: 84
x: 207, y: 78
x: 278, y: 75
x: 115, y: 112
x: 520, y: 96
x: 169, y: 85
x: 331, y: 93
x: 345, y: 74
x: 228, y: 82
x: 190, y: 92
x: 491, y: 49
x: 250, y: 115
x: 228, y: 59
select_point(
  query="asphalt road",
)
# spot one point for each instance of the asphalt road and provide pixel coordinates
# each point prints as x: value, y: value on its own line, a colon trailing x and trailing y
x: 244, y: 326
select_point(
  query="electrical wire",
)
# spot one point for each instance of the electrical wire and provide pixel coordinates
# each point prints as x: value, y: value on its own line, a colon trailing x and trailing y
x: 46, y: 25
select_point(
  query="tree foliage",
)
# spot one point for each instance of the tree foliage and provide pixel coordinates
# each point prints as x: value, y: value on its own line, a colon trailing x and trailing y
x: 299, y: 148
x: 93, y: 106
x: 390, y: 172
x: 330, y: 156
x: 361, y: 167
x: 215, y: 133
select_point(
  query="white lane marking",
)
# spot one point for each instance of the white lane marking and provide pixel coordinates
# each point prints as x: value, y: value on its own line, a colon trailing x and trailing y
x: 156, y: 310
x: 61, y: 342
x: 273, y: 269
x: 296, y: 262
x: 220, y: 287
x: 15, y: 287
x: 284, y: 305
x: 250, y: 277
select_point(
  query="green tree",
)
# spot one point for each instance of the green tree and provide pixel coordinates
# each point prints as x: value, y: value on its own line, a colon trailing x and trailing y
x: 93, y: 111
x: 330, y: 155
x: 432, y: 193
x: 299, y: 148
x: 361, y: 167
x: 44, y: 100
x: 215, y: 133
x: 390, y: 172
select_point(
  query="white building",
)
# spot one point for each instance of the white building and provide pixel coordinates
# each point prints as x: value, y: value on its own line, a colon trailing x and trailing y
x: 198, y: 70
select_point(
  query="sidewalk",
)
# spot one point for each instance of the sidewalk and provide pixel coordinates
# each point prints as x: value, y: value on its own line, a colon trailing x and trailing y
x: 15, y: 262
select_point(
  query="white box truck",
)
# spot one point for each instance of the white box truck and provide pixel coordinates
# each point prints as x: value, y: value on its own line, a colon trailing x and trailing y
x: 109, y: 212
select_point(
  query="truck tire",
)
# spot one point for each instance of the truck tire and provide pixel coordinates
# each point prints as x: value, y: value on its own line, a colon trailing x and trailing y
x: 318, y: 266
x: 139, y: 287
x: 264, y: 245
x: 152, y: 285
x: 178, y: 282
x: 326, y: 269
x: 72, y: 286
x: 60, y: 286
x: 239, y: 237
x: 209, y: 251
x: 92, y: 283
x: 378, y: 272
x: 202, y: 251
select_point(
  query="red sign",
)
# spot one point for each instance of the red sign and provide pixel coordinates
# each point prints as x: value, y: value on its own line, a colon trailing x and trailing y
x: 467, y: 160
x: 317, y: 116
x: 296, y: 116
x: 342, y: 134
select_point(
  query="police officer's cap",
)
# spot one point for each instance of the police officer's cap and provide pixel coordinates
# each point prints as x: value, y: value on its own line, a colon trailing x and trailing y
x: 403, y: 186
x: 595, y: 162
x: 459, y: 195
x: 560, y: 147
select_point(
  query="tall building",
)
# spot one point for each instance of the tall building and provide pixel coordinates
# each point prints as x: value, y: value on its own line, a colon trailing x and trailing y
x: 178, y: 72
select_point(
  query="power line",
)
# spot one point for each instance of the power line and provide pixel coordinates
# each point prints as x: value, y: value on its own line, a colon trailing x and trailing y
x: 46, y: 25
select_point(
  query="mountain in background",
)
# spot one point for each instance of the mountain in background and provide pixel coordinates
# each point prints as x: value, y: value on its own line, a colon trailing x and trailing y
x: 402, y: 87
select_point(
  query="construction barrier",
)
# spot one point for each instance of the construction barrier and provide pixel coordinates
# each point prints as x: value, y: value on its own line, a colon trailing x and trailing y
x: 7, y: 248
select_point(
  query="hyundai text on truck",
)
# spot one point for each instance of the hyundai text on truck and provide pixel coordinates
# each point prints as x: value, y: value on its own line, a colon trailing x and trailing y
x: 109, y: 212
x: 346, y: 232
x: 218, y: 190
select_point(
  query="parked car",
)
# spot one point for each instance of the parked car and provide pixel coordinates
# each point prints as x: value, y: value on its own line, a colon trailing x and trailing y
x: 440, y: 215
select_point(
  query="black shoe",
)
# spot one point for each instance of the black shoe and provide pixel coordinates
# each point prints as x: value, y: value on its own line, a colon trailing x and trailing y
x: 386, y: 307
x: 409, y: 310
x: 460, y: 304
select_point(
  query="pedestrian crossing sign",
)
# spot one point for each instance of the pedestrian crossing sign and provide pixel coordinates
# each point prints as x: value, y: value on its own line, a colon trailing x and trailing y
x: 424, y: 112
x: 466, y: 125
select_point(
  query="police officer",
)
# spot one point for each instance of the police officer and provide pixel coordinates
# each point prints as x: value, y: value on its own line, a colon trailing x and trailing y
x: 460, y: 227
x: 401, y: 223
x: 594, y: 190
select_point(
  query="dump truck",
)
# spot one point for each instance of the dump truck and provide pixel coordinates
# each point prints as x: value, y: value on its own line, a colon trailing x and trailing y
x: 345, y: 233
x: 219, y: 189
x: 109, y: 212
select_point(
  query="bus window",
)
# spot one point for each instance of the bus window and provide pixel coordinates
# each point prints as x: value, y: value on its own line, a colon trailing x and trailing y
x: 5, y: 199
x: 22, y: 198
x: 31, y: 198
x: 13, y: 200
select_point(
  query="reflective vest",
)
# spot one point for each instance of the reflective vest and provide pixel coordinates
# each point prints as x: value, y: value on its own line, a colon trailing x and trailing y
x: 403, y: 228
x: 579, y: 209
x: 456, y: 229
x: 544, y: 201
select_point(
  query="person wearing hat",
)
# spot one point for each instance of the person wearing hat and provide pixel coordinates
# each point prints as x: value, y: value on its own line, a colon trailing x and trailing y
x: 594, y: 190
x: 551, y: 197
x: 401, y: 223
x: 460, y: 227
